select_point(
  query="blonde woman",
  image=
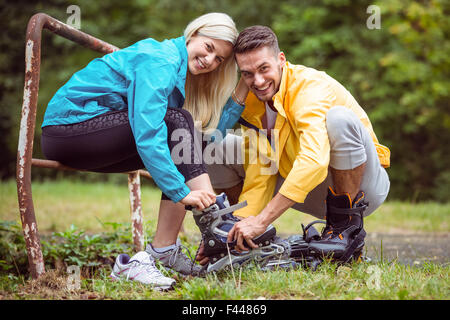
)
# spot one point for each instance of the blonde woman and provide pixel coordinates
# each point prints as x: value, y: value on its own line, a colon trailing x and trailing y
x: 119, y: 112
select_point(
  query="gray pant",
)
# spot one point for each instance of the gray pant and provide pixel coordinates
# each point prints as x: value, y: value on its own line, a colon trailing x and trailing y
x: 351, y: 145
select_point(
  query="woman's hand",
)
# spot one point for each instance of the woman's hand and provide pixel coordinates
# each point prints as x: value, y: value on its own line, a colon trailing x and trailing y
x: 200, y: 199
x: 201, y: 258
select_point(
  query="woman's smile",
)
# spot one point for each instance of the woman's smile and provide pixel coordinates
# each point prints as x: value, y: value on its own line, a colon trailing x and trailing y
x: 206, y: 54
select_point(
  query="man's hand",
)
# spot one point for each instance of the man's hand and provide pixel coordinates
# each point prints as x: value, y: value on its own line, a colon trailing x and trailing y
x: 251, y: 227
x: 246, y: 229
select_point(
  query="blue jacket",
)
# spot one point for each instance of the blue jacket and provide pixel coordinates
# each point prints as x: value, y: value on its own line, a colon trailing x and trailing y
x: 144, y: 78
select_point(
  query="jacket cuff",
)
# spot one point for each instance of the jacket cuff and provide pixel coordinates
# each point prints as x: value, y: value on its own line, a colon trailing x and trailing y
x: 291, y: 191
x: 179, y: 195
x: 244, y: 212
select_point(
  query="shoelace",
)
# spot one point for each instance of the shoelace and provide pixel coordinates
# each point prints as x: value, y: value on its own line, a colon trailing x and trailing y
x: 146, y: 266
x: 227, y: 213
x: 174, y: 254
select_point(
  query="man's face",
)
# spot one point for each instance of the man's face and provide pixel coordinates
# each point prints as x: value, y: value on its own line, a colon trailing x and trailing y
x: 262, y: 69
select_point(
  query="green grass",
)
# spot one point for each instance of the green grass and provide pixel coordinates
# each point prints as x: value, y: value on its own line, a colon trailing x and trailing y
x: 60, y: 204
x: 390, y: 281
x: 88, y: 206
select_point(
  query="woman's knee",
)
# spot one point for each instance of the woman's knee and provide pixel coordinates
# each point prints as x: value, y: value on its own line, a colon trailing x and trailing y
x: 177, y: 118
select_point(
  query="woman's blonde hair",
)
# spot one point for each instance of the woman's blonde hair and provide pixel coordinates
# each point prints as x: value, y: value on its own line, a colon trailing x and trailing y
x: 207, y: 93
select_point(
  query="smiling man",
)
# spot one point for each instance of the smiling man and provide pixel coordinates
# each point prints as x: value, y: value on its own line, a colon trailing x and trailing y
x: 328, y: 159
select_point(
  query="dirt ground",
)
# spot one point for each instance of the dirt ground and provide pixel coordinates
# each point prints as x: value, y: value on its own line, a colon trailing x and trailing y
x: 407, y: 248
x: 412, y: 249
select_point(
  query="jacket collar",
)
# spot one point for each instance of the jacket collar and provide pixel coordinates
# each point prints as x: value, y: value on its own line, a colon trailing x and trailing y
x: 278, y: 98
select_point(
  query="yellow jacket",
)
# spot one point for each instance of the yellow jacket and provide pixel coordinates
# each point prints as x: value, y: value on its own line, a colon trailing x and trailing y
x: 301, y: 149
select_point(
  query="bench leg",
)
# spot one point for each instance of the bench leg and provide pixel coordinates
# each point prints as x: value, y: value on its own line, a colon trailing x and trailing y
x: 134, y: 187
x: 29, y: 226
x: 30, y: 230
x: 24, y: 158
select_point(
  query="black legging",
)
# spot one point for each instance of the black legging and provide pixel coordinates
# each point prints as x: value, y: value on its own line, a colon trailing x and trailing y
x: 106, y: 144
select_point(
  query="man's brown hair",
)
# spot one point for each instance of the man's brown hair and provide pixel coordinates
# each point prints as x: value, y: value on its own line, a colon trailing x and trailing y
x: 255, y: 37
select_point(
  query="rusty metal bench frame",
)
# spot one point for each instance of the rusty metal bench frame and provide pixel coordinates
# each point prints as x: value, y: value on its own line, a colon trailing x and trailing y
x: 25, y: 160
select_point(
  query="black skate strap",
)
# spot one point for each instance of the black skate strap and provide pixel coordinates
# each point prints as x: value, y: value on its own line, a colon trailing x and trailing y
x: 311, y: 233
x: 356, y: 242
x: 349, y: 211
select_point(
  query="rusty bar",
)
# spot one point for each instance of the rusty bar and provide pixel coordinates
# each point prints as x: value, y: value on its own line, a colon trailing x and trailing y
x: 28, y: 122
x: 75, y: 35
x: 51, y: 164
x: 25, y: 148
x: 137, y: 230
x: 145, y: 174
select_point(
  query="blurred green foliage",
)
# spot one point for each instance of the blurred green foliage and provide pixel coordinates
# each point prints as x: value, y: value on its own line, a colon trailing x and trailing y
x: 399, y: 73
x: 62, y: 249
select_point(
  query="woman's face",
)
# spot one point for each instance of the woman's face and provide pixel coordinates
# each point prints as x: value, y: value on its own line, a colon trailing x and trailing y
x: 206, y: 54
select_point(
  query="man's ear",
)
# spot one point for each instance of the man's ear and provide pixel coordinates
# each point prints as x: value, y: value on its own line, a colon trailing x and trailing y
x: 282, y: 59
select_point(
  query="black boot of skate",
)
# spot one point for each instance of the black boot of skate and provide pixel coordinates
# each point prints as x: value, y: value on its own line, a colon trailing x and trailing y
x: 217, y: 220
x: 343, y: 235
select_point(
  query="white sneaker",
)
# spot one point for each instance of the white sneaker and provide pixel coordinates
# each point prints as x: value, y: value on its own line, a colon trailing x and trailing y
x: 141, y: 267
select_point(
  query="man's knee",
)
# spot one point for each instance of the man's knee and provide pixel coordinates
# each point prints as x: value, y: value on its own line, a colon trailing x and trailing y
x: 339, y: 120
x: 226, y: 170
x: 228, y: 150
x: 346, y: 135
